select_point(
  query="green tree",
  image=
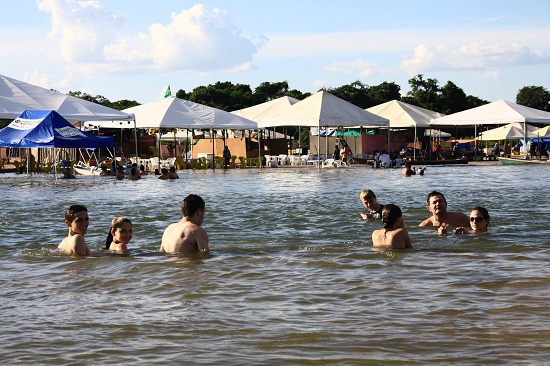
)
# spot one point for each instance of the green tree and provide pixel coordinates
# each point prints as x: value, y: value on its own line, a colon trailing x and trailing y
x: 267, y: 91
x: 452, y: 99
x: 223, y: 95
x: 383, y: 93
x: 356, y: 93
x: 297, y: 94
x: 181, y: 94
x: 534, y: 97
x: 424, y: 93
x: 123, y: 104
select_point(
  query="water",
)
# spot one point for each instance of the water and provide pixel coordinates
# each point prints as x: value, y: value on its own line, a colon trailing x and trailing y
x: 291, y: 278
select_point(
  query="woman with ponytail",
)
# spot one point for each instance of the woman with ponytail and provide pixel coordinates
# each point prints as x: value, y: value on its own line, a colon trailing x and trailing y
x: 393, y: 235
x: 120, y: 234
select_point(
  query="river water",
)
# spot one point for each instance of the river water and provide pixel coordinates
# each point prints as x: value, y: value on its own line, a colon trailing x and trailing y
x: 291, y: 278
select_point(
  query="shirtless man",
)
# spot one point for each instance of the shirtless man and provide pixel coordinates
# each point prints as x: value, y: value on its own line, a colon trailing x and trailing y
x: 442, y: 218
x: 408, y: 170
x: 77, y: 220
x: 368, y: 198
x: 187, y: 236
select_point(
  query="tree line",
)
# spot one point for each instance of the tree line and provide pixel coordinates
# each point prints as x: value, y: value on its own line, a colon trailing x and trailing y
x: 425, y: 93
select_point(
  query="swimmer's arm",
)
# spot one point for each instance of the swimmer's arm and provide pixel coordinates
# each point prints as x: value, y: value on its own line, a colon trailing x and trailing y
x: 80, y: 247
x: 202, y: 239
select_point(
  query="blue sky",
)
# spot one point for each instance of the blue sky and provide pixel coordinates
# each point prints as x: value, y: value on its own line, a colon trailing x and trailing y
x: 128, y: 49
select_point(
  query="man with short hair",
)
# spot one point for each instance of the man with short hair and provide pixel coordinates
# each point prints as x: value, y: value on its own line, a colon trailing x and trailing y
x: 368, y: 198
x: 187, y: 236
x: 437, y: 205
x: 77, y: 220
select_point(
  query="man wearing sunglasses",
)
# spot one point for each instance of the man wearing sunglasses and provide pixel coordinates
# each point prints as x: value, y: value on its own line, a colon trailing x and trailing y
x: 437, y: 205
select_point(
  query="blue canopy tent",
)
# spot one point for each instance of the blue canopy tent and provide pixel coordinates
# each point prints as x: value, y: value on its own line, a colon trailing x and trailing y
x: 47, y: 128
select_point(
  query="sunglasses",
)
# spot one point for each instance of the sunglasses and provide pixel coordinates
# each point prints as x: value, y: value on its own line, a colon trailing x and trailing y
x: 477, y: 219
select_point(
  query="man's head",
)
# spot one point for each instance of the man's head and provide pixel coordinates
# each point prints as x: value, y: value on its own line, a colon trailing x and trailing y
x: 76, y: 218
x: 368, y: 198
x: 191, y: 205
x: 436, y: 202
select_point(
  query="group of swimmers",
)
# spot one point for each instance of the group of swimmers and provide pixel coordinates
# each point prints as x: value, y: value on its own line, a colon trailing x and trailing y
x: 394, y: 235
x: 187, y: 235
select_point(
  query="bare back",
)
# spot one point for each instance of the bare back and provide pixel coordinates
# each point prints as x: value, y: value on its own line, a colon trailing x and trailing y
x: 395, y: 239
x: 184, y: 237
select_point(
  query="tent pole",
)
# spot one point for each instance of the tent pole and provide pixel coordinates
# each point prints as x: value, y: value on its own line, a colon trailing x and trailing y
x: 414, y: 144
x: 212, y: 139
x: 136, y: 141
x: 319, y: 144
x: 260, y: 149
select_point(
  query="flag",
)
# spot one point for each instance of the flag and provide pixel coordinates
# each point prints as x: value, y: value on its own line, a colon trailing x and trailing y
x: 168, y: 92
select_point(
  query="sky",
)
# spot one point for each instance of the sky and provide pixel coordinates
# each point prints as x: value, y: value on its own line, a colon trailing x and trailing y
x: 128, y: 49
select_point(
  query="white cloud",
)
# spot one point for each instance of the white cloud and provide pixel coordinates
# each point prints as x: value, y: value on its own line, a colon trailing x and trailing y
x: 197, y: 39
x: 475, y: 55
x: 358, y: 67
x: 81, y: 28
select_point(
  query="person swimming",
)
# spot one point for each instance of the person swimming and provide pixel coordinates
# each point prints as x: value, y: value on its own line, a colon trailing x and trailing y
x: 393, y: 235
x: 479, y: 222
x: 120, y: 234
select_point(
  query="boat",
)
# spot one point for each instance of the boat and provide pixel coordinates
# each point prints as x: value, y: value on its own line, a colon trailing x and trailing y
x: 517, y: 161
x: 82, y: 168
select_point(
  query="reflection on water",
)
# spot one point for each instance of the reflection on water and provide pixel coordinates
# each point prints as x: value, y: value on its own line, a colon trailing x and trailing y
x: 291, y: 278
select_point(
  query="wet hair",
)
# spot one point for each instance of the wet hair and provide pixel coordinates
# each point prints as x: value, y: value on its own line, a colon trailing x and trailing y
x: 435, y: 193
x: 483, y: 211
x: 71, y: 212
x: 191, y: 204
x: 133, y: 171
x: 367, y: 193
x: 164, y: 171
x: 390, y: 214
x: 115, y: 224
x: 173, y: 169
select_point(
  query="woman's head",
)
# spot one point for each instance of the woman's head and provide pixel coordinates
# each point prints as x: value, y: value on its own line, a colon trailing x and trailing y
x: 479, y: 219
x: 120, y: 231
x: 390, y: 216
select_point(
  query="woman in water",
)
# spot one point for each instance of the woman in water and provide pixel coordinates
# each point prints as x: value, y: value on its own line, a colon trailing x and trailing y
x: 393, y: 235
x: 479, y: 222
x: 120, y: 234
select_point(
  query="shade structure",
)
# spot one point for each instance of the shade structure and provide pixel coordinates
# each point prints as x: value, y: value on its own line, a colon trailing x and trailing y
x: 323, y: 109
x: 183, y: 114
x: 266, y: 111
x: 47, y: 128
x: 500, y: 112
x: 508, y: 132
x: 17, y: 96
x: 402, y: 114
x: 542, y: 132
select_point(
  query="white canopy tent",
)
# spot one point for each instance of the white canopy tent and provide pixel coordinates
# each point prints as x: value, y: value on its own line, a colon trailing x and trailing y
x: 404, y: 115
x: 500, y: 112
x: 507, y: 132
x: 182, y: 114
x: 323, y: 109
x: 17, y: 96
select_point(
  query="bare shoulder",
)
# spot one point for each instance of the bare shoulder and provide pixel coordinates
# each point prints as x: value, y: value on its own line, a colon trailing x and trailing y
x: 427, y: 222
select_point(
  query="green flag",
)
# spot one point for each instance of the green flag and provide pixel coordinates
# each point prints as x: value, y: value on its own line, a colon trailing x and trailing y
x: 168, y: 92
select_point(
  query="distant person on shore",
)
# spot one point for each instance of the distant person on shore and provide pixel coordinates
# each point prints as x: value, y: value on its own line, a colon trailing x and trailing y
x: 165, y: 174
x: 437, y: 205
x: 532, y: 149
x: 120, y: 234
x: 226, y: 157
x: 368, y: 198
x: 187, y: 236
x: 345, y: 154
x: 172, y: 173
x: 336, y: 152
x: 543, y: 148
x: 393, y: 235
x: 408, y: 170
x: 77, y: 220
x: 479, y: 222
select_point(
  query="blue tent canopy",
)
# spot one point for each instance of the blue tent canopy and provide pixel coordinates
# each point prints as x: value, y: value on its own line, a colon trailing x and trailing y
x: 47, y: 128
